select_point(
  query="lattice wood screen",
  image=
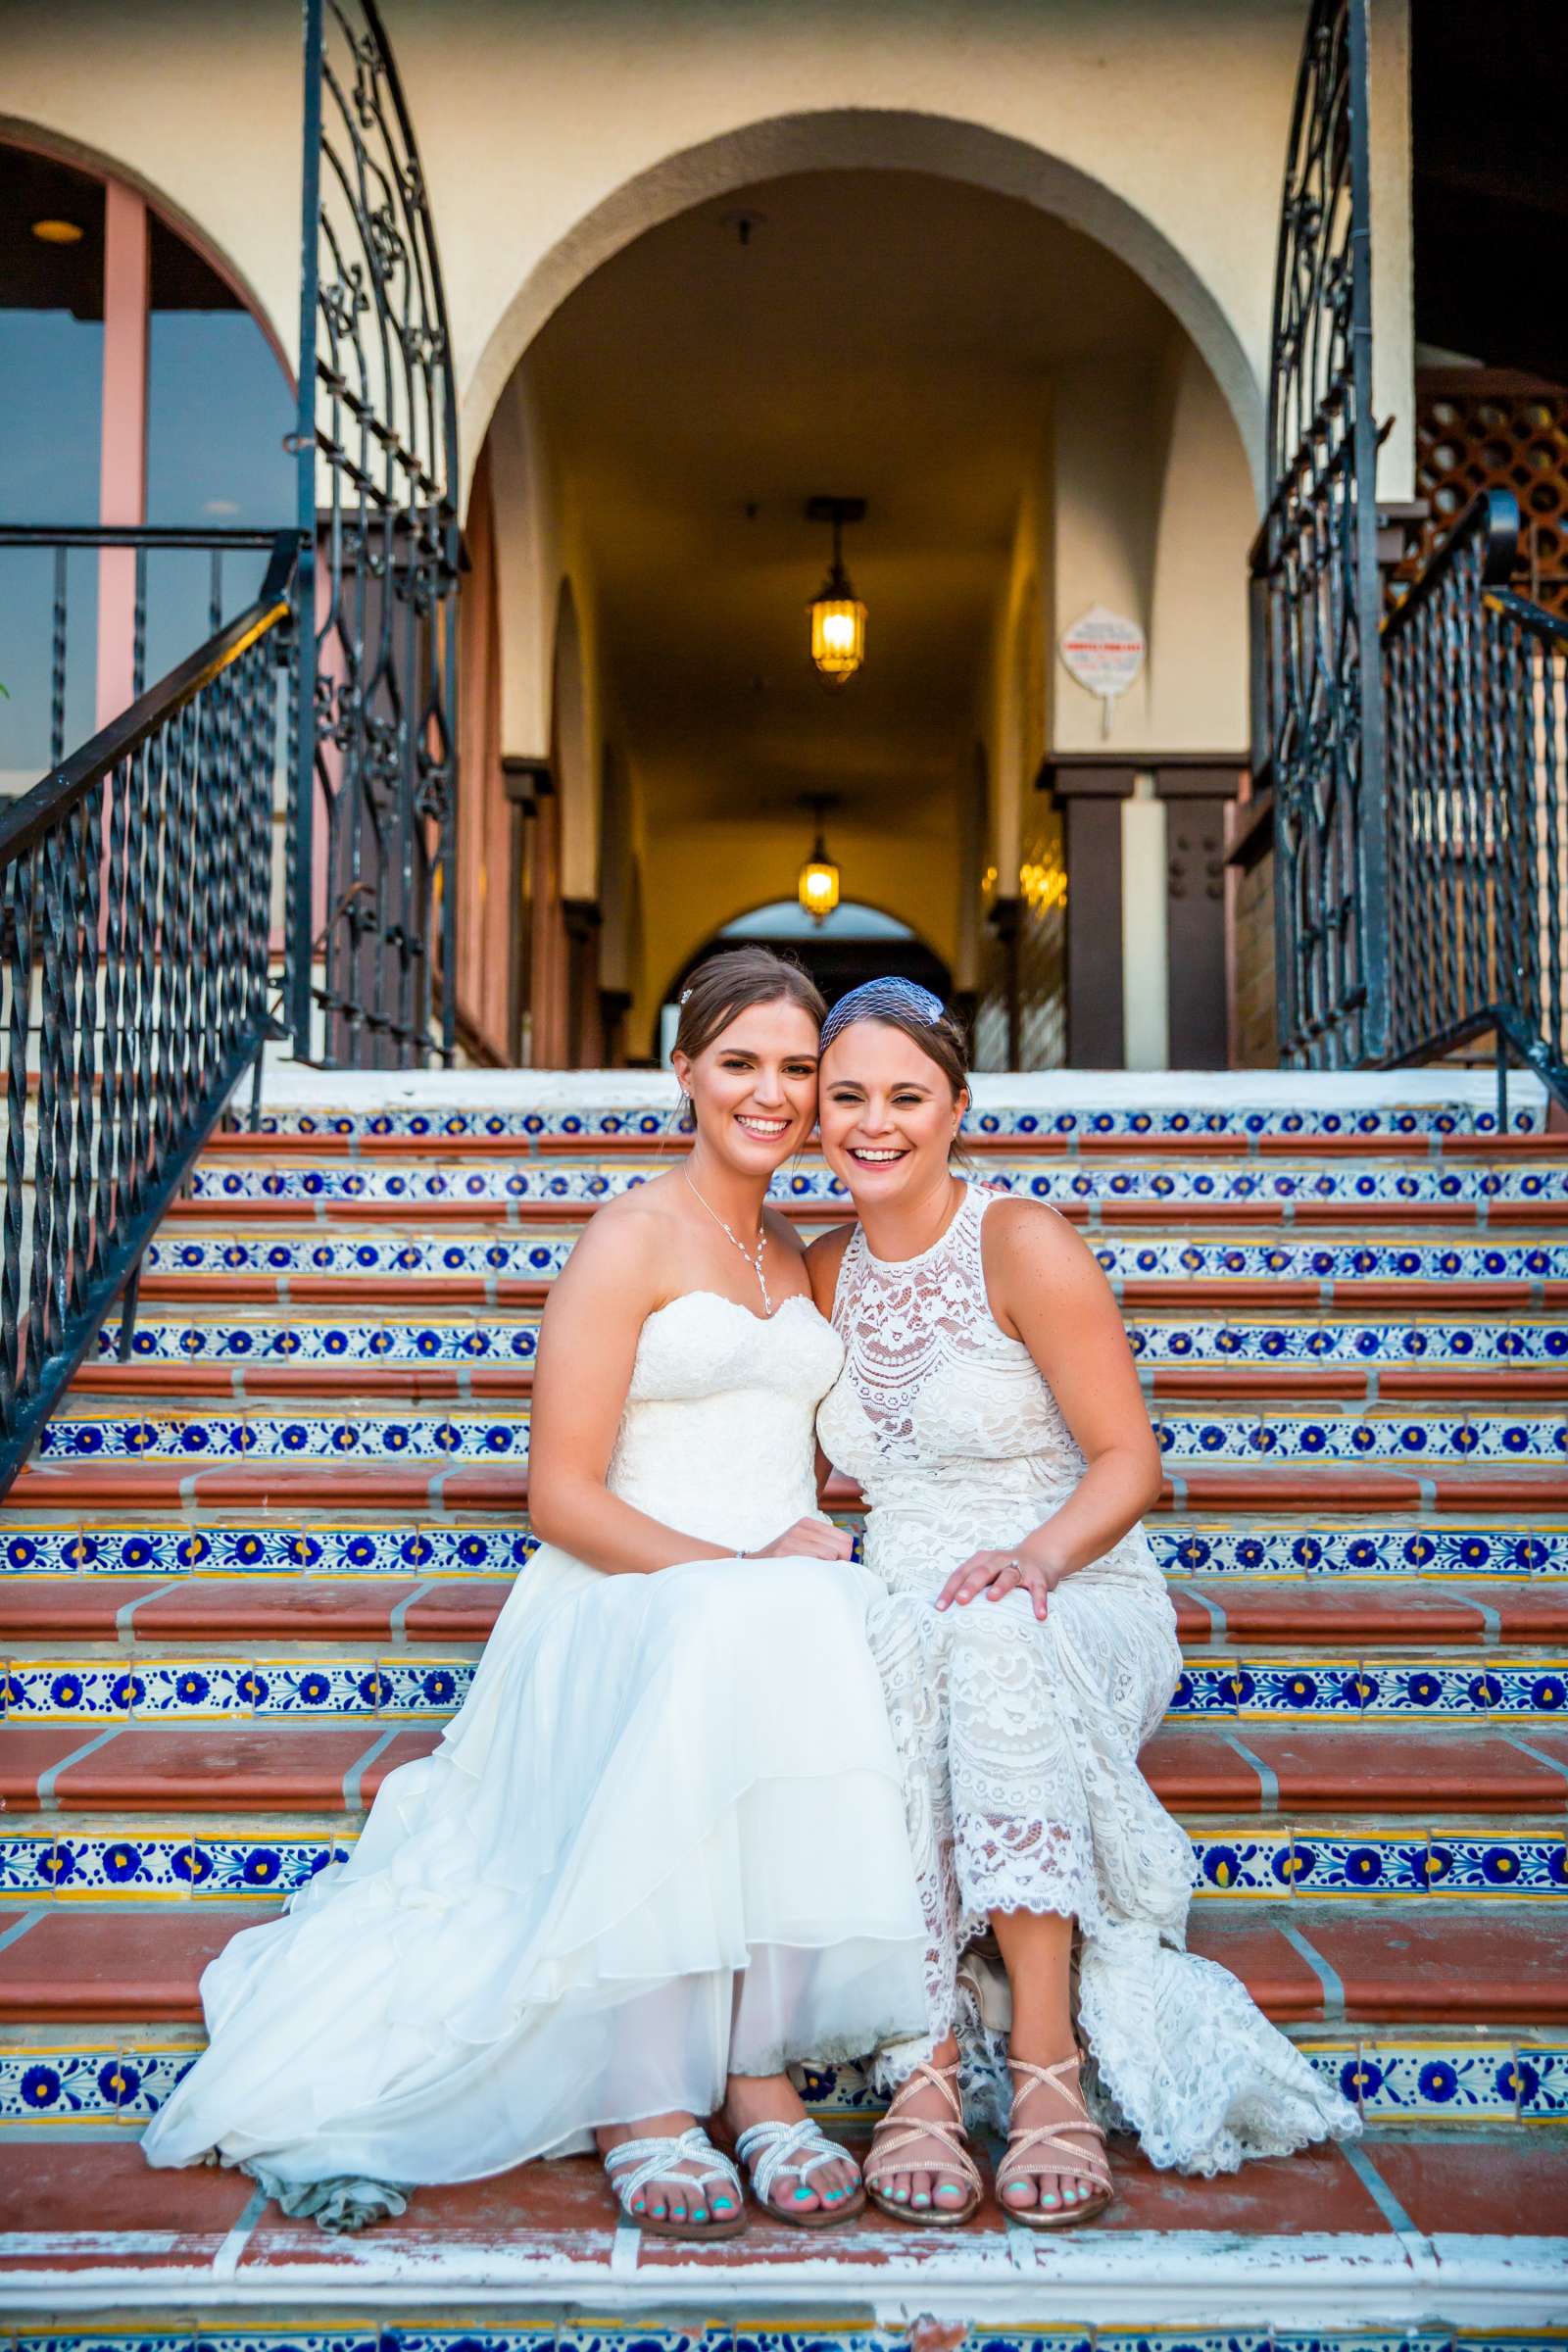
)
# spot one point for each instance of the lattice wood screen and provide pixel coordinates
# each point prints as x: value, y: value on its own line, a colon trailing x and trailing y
x: 1481, y: 430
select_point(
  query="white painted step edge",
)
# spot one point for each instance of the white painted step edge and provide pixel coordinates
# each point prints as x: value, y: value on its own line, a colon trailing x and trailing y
x: 1156, y: 2279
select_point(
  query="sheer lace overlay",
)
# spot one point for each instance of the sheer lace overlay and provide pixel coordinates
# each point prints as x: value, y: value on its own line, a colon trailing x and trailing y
x: 1019, y: 1740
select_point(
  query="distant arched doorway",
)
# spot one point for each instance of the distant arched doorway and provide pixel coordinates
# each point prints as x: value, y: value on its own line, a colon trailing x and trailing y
x: 854, y: 943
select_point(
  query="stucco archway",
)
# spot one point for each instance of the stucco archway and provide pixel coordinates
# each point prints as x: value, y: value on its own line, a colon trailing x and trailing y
x: 863, y: 138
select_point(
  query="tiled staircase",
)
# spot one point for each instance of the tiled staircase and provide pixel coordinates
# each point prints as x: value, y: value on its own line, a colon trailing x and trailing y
x: 250, y: 1570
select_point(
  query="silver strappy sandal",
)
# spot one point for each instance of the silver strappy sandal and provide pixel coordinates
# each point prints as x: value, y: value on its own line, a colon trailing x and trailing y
x: 636, y: 2163
x: 772, y: 2151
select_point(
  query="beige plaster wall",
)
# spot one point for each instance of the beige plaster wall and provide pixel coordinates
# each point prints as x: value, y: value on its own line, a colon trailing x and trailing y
x: 553, y: 131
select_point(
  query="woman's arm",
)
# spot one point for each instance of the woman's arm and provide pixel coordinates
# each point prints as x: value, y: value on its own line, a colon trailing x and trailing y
x: 587, y: 1347
x: 1047, y: 1289
x: 823, y: 1258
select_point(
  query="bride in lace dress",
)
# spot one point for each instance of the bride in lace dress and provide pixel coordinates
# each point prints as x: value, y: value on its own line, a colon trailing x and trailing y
x: 989, y: 1409
x: 661, y: 1853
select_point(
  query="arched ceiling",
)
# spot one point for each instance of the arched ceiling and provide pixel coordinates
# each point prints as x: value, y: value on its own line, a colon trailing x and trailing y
x: 881, y: 334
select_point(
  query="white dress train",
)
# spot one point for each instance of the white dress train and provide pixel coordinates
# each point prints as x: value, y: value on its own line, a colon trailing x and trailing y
x: 1020, y: 1738
x: 664, y: 1838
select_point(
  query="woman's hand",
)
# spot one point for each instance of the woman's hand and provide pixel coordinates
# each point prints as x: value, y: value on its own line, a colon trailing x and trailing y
x: 809, y: 1539
x: 996, y: 1574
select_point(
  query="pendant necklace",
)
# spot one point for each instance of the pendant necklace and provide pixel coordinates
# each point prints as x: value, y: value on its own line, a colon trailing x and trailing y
x: 753, y: 1262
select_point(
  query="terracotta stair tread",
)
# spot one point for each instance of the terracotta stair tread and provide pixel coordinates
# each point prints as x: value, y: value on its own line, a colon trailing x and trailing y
x: 87, y: 1486
x: 1326, y: 1611
x: 1267, y: 1770
x: 442, y: 1380
x: 131, y: 1964
x: 96, y: 2205
x: 238, y: 1609
x: 1464, y: 1214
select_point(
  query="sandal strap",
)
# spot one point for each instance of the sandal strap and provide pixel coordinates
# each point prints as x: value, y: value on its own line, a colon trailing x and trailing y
x: 893, y: 2133
x: 1027, y: 2143
x: 771, y: 2149
x: 636, y: 2162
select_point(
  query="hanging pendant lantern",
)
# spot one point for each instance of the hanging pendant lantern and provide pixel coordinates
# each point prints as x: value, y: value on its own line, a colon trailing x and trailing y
x: 818, y: 886
x: 838, y: 616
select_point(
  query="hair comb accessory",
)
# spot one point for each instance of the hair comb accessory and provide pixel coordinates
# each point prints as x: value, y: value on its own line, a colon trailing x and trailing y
x: 874, y: 999
x: 683, y: 997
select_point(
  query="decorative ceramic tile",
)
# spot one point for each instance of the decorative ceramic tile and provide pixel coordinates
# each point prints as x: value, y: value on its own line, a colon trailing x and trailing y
x: 1328, y: 1687
x: 405, y: 1686
x: 539, y: 1257
x: 1404, y: 1437
x: 1363, y: 1549
x: 486, y: 1339
x: 401, y: 1687
x: 1269, y: 1862
x: 419, y: 1434
x: 1484, y: 2080
x: 179, y: 1865
x: 497, y: 1336
x: 111, y: 2082
x: 271, y: 1549
x: 1346, y: 1344
x: 1457, y: 1118
x: 1084, y: 1182
x: 1215, y: 1436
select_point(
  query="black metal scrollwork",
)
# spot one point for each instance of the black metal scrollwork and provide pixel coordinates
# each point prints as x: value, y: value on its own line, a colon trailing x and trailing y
x: 371, y: 909
x: 1318, y: 718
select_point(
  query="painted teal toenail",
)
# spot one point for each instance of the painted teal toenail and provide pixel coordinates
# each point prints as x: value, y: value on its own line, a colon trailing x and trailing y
x: 1050, y: 2197
x: 922, y: 2198
x: 902, y: 2196
x: 723, y: 2204
x: 803, y: 2197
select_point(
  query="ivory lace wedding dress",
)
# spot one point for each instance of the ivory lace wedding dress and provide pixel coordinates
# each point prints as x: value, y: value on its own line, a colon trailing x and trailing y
x: 1021, y: 1738
x: 664, y: 1838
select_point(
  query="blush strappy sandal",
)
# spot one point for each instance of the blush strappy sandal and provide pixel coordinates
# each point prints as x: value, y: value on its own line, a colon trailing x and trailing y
x: 1028, y: 2143
x: 896, y: 2131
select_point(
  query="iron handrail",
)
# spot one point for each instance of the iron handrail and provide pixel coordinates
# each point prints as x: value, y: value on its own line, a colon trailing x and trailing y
x: 135, y: 890
x: 1476, y: 687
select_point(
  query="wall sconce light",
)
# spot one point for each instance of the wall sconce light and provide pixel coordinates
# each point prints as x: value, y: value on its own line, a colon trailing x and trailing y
x: 818, y: 886
x: 838, y: 616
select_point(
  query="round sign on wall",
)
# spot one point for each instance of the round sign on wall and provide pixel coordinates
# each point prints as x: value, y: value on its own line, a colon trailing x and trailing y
x: 1104, y: 652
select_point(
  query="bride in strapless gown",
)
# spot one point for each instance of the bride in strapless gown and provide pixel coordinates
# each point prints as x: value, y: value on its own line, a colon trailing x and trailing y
x: 662, y: 1845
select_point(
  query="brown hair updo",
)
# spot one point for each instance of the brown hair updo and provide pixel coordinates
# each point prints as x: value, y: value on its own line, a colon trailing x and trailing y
x: 730, y: 983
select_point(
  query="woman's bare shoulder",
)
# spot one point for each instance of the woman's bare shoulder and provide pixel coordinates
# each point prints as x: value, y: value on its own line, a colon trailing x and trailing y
x: 1031, y: 1237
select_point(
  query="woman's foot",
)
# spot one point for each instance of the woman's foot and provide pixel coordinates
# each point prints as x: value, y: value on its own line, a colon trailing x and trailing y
x: 678, y: 2194
x: 1039, y: 2177
x: 772, y: 2099
x: 926, y: 2175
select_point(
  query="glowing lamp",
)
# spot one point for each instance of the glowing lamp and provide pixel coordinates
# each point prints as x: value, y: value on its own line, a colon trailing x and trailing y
x: 818, y: 886
x: 838, y: 616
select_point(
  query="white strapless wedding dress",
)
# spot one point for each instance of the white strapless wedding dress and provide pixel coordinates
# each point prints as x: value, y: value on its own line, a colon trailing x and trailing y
x: 664, y: 1838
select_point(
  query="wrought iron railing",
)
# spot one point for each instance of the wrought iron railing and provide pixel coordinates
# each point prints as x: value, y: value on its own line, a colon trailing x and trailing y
x: 1475, y: 685
x: 136, y: 892
x: 181, y: 579
x: 1317, y: 708
x: 372, y: 910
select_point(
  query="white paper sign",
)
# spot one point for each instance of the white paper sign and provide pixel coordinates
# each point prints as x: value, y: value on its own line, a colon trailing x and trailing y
x: 1103, y: 651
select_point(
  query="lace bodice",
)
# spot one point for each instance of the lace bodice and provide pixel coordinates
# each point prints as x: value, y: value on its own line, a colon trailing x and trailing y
x: 945, y: 1421
x: 717, y: 1436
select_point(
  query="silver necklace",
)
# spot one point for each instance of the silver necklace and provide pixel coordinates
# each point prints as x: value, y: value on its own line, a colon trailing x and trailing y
x: 753, y: 1261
